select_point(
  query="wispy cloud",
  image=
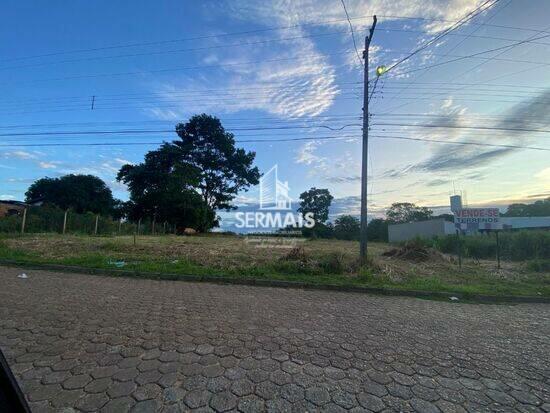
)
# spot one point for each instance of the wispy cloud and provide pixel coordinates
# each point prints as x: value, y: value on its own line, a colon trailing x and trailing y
x: 48, y: 164
x: 20, y: 155
x: 452, y: 125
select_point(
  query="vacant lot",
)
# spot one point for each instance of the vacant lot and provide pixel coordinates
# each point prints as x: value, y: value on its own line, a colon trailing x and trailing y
x: 316, y: 261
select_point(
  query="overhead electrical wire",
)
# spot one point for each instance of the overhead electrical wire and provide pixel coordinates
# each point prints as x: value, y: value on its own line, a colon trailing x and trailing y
x: 292, y: 140
x: 361, y: 64
x: 455, y: 26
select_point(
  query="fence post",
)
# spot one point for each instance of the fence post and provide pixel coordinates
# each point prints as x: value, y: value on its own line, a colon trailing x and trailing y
x: 65, y: 221
x: 164, y: 228
x: 119, y: 225
x: 96, y: 223
x: 498, y: 249
x: 153, y: 225
x: 24, y: 221
x: 459, y: 249
x: 139, y: 225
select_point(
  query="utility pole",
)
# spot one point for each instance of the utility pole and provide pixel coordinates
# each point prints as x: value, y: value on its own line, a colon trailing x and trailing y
x: 364, y: 168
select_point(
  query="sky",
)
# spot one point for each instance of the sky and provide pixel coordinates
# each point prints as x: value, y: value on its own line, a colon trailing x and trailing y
x: 285, y: 69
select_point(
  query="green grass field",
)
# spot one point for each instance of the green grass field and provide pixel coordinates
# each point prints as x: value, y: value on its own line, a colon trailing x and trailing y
x: 313, y: 261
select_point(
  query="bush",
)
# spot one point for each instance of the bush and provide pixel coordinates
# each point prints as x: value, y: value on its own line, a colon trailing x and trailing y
x: 514, y: 245
x: 539, y: 265
x: 332, y: 263
x: 347, y: 227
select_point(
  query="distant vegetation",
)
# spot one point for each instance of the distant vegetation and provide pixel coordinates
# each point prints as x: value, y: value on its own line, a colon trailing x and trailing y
x: 514, y: 245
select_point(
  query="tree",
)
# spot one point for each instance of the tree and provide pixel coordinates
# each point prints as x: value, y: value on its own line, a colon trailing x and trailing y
x: 316, y: 201
x: 81, y: 193
x: 539, y: 208
x: 377, y: 230
x: 401, y: 212
x: 347, y: 227
x: 224, y: 170
x: 163, y: 188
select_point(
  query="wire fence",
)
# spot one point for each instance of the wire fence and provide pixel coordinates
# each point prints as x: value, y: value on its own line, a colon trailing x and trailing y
x: 45, y: 219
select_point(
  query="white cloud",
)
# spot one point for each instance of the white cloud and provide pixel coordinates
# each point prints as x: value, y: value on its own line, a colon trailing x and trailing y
x: 20, y: 155
x: 306, y: 154
x: 306, y: 75
x: 543, y: 174
x: 48, y: 165
x: 4, y: 196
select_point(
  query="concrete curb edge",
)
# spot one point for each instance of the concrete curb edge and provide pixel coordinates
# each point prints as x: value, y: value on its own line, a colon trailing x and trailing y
x: 279, y: 283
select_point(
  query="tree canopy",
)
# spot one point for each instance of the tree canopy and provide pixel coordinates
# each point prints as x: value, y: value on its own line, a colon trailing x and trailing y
x: 81, y: 193
x: 224, y: 170
x: 163, y: 188
x: 536, y: 209
x: 347, y: 227
x: 316, y: 201
x: 186, y: 181
x: 401, y: 212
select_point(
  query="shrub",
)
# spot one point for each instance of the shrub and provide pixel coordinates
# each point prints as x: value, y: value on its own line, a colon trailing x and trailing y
x: 539, y: 265
x: 514, y: 245
x: 332, y: 263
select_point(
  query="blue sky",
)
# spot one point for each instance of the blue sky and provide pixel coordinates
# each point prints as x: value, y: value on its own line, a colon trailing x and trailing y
x: 153, y: 64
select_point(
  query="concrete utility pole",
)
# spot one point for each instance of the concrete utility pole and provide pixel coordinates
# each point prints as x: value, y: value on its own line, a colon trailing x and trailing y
x: 364, y: 169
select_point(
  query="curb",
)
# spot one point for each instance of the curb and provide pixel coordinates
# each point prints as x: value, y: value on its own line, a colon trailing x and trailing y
x: 481, y: 298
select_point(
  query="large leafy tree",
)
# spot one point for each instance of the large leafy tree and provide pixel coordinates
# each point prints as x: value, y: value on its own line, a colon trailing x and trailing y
x: 316, y: 201
x: 81, y: 193
x: 163, y: 188
x: 224, y: 170
x: 347, y: 227
x: 401, y: 212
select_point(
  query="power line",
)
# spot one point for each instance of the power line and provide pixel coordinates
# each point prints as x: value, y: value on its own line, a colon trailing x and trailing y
x: 455, y: 26
x: 140, y: 131
x: 464, y: 127
x: 321, y: 138
x: 162, y: 52
x: 183, y: 68
x: 352, y: 34
x: 193, y: 38
x: 536, y: 148
x: 499, y: 26
x: 429, y: 66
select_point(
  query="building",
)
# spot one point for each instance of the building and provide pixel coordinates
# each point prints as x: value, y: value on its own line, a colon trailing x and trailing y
x: 421, y: 229
x: 9, y: 208
x: 440, y: 227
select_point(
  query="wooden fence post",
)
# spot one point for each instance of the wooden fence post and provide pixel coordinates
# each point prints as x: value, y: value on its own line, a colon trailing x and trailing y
x: 24, y: 221
x: 459, y: 249
x: 96, y: 223
x: 153, y: 226
x: 498, y: 250
x: 139, y: 225
x: 119, y: 225
x: 65, y: 221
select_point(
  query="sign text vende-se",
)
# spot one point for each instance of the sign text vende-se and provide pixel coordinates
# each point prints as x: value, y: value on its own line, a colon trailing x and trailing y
x: 478, y: 218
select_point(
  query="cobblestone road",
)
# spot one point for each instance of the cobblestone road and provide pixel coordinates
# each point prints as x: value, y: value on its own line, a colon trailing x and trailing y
x: 91, y: 343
